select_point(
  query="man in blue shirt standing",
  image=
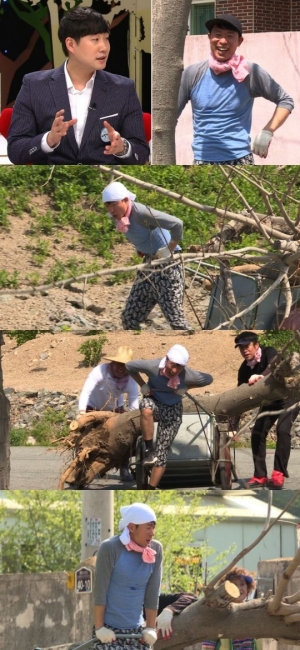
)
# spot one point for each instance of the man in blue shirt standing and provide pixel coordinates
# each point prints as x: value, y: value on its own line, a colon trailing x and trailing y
x: 155, y: 235
x: 128, y: 577
x: 222, y: 92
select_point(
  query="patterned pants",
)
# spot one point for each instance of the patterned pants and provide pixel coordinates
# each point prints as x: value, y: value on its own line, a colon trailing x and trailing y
x: 162, y: 286
x: 245, y: 160
x: 169, y: 419
x: 123, y: 644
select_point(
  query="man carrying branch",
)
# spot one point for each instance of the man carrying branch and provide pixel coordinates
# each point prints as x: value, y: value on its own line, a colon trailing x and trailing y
x: 155, y: 236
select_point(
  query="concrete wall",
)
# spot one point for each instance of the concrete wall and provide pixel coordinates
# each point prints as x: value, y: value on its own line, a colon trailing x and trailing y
x: 274, y: 569
x: 279, y: 54
x: 39, y: 610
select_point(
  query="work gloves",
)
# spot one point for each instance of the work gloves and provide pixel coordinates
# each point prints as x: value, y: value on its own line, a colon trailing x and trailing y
x: 261, y: 143
x: 145, y: 390
x: 149, y: 635
x: 105, y: 635
x: 163, y: 253
x: 164, y: 623
x: 180, y: 391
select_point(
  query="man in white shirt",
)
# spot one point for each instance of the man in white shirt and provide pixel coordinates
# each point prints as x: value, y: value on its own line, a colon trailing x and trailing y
x: 104, y: 388
x: 77, y: 113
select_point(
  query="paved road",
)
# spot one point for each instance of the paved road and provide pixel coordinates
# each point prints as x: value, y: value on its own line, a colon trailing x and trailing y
x: 39, y: 468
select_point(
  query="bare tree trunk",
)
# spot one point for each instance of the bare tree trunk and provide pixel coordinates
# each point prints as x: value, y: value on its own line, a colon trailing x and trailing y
x: 170, y: 22
x: 4, y: 431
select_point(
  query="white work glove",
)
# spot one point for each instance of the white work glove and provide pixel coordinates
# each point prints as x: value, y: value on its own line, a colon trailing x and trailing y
x: 149, y: 635
x: 105, y: 635
x: 181, y: 391
x: 254, y: 378
x: 164, y: 623
x: 145, y: 390
x: 261, y: 143
x: 163, y: 253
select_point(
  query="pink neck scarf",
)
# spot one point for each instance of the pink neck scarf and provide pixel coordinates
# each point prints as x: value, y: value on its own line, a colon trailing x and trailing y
x: 256, y: 359
x: 173, y: 382
x: 124, y: 223
x: 237, y: 63
x: 148, y: 554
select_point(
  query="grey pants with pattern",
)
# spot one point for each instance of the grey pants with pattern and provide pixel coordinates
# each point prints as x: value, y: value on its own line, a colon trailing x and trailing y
x: 123, y: 644
x: 169, y: 419
x: 162, y: 286
x: 245, y: 160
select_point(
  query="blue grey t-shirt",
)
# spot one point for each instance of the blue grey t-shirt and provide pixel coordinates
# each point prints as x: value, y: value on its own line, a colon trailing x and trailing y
x: 152, y: 229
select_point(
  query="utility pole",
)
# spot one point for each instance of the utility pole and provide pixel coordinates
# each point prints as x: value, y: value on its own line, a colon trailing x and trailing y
x: 4, y: 430
x: 97, y: 520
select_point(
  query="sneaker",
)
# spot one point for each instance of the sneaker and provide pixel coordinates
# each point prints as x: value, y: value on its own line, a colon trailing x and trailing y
x: 256, y: 482
x: 276, y: 481
x: 149, y: 457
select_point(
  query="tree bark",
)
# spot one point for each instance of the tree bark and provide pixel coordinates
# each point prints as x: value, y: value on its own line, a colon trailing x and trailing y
x: 170, y: 23
x: 4, y: 431
x: 102, y: 440
x: 201, y: 621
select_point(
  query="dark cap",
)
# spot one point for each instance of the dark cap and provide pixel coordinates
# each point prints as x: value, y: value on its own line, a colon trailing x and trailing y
x: 225, y: 19
x: 244, y: 338
x: 248, y: 579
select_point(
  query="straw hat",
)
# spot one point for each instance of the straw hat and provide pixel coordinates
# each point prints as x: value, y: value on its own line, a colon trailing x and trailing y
x: 124, y: 354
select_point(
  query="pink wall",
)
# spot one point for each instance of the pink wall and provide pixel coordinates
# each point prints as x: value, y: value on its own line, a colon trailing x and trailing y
x: 279, y: 54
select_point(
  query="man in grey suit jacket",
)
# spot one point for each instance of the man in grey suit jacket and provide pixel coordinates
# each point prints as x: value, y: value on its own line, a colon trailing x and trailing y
x: 155, y: 235
x: 77, y: 113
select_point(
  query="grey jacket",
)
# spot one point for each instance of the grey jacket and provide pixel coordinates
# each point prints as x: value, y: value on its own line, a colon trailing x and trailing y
x: 259, y: 82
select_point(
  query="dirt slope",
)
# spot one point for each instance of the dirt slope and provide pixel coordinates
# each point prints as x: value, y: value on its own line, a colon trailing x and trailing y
x: 52, y: 361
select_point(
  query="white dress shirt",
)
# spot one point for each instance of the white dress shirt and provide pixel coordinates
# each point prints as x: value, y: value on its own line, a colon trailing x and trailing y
x: 100, y: 391
x: 79, y: 104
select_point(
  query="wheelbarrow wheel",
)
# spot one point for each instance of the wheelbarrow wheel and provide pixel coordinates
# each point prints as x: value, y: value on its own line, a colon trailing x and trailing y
x: 224, y: 462
x: 141, y: 473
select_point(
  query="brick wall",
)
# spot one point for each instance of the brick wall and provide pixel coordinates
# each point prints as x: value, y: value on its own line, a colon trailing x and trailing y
x: 263, y: 15
x: 295, y: 15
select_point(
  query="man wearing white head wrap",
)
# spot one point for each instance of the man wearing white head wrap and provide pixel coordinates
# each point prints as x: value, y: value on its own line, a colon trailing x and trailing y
x: 168, y: 380
x: 155, y: 235
x: 128, y: 576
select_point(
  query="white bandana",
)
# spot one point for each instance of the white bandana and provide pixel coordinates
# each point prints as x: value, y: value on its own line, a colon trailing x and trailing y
x: 176, y: 354
x: 116, y: 192
x: 136, y: 513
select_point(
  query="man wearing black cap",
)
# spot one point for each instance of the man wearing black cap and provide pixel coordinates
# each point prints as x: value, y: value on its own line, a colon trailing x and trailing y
x: 255, y: 366
x: 222, y: 91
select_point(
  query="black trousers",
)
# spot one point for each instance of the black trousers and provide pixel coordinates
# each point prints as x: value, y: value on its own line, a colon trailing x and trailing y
x: 283, y: 432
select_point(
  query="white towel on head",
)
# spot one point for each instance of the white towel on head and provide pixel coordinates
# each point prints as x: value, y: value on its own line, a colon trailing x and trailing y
x: 176, y: 354
x: 116, y: 191
x: 136, y: 513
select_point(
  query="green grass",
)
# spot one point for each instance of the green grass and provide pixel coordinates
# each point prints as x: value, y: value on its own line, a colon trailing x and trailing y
x: 73, y: 200
x: 9, y: 280
x: 22, y: 336
x: 49, y: 428
x: 92, y: 350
